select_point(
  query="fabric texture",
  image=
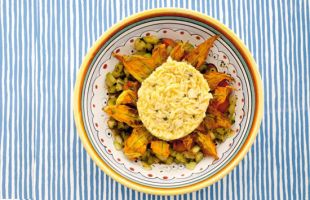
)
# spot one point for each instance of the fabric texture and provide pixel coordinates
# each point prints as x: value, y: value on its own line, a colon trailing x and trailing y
x: 42, y: 44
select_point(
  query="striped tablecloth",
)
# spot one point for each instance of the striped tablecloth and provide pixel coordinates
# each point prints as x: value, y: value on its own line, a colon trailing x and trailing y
x: 42, y: 44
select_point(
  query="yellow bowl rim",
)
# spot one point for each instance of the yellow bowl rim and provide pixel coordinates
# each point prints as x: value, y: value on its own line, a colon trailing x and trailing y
x: 171, y: 12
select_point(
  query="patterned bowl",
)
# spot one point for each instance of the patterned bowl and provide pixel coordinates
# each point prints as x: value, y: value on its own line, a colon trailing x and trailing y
x: 228, y: 54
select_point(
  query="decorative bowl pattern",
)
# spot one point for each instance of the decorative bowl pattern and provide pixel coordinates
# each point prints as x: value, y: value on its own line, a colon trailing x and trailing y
x: 93, y: 97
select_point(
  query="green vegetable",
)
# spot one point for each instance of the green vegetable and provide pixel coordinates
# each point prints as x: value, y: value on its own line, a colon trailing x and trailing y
x: 232, y: 107
x: 221, y: 134
x: 119, y: 87
x: 141, y: 53
x: 112, y: 89
x: 139, y: 44
x: 146, y: 166
x: 111, y: 101
x: 118, y: 70
x: 121, y: 126
x: 110, y: 79
x: 151, y: 160
x: 199, y: 157
x: 124, y: 135
x: 169, y: 160
x: 188, y: 155
x: 148, y: 55
x: 118, y: 138
x: 148, y: 47
x: 203, y: 68
x: 195, y: 149
x: 190, y: 165
x: 180, y: 157
x: 111, y: 123
x: 117, y: 145
x: 188, y: 47
x: 169, y: 49
x: 151, y: 39
x: 173, y: 153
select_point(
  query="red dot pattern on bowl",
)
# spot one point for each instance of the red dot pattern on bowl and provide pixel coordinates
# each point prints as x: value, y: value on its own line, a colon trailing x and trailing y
x: 117, y: 51
x: 164, y: 31
x: 131, y: 41
x: 105, y: 66
x: 150, y: 175
x: 181, y: 32
x: 132, y: 169
x: 197, y: 37
x: 165, y: 177
x: 147, y: 34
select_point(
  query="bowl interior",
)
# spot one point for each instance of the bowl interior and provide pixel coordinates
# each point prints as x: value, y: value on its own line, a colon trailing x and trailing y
x: 223, y: 55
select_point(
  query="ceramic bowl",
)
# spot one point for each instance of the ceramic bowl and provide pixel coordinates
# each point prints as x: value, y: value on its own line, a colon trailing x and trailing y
x: 228, y: 54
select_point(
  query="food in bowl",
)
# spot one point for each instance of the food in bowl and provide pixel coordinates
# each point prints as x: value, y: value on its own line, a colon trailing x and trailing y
x: 167, y: 105
x: 173, y: 100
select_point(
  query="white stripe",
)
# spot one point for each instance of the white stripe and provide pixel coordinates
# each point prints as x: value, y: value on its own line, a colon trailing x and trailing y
x: 72, y: 74
x: 28, y: 101
x: 18, y: 131
x: 118, y: 8
x: 273, y: 98
x: 2, y: 95
x: 285, y: 138
x: 280, y: 120
x: 40, y: 112
x: 52, y: 110
x: 291, y: 89
x: 56, y: 48
x: 7, y: 109
x: 77, y: 144
x: 307, y: 100
x: 290, y: 177
x: 34, y: 52
x: 251, y: 158
x: 261, y: 191
x: 48, y: 97
x: 298, y: 110
x: 23, y: 132
x: 88, y: 165
x: 61, y: 99
x: 268, y: 170
x: 67, y: 103
x: 13, y: 122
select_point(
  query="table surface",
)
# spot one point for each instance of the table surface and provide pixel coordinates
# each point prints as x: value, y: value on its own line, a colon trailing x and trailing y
x: 42, y: 44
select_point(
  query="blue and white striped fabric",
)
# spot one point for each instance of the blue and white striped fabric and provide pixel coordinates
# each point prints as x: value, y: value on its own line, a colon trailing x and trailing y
x: 42, y: 44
